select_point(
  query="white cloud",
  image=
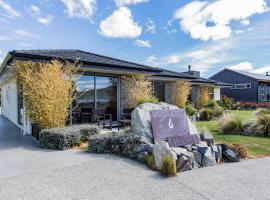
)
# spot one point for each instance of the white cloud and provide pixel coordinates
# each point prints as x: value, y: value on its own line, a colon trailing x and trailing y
x: 150, y: 26
x: 46, y: 20
x: 249, y: 67
x: 34, y: 10
x: 9, y: 10
x: 20, y: 33
x: 262, y: 70
x: 4, y: 38
x: 243, y: 66
x: 245, y: 22
x: 80, y: 8
x: 210, y: 20
x: 143, y: 43
x: 120, y: 25
x: 152, y: 61
x: 36, y: 13
x: 201, y: 58
x: 127, y: 2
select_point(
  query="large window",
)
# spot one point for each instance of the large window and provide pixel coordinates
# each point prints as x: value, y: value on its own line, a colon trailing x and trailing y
x: 106, y: 90
x: 85, y: 102
x: 94, y: 93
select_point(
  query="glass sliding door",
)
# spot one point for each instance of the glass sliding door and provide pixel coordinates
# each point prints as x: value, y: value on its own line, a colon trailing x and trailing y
x: 85, y: 101
x: 94, y: 92
x: 106, y: 91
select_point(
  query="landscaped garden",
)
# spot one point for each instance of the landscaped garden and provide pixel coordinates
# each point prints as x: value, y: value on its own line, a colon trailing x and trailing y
x: 161, y: 135
x: 256, y: 146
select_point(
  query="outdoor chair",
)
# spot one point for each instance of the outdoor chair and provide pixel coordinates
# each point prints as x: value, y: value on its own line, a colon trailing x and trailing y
x: 101, y: 115
x: 126, y: 118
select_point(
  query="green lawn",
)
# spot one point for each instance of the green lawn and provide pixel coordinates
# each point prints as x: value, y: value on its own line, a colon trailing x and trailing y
x: 257, y: 146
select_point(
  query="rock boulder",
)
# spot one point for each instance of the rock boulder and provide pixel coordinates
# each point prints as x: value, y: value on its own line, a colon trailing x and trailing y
x: 141, y: 120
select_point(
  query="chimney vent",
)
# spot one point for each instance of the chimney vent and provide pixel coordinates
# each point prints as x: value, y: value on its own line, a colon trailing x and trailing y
x: 267, y: 74
x: 189, y: 68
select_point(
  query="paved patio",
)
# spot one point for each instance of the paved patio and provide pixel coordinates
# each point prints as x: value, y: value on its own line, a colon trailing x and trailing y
x: 27, y: 172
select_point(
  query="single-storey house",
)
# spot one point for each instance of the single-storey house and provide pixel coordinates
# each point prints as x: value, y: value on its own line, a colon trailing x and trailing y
x: 99, y: 86
x: 246, y: 86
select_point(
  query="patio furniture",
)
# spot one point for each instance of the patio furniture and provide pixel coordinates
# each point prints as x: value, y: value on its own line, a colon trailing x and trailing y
x: 86, y: 115
x: 126, y: 118
x: 123, y: 123
x: 101, y: 115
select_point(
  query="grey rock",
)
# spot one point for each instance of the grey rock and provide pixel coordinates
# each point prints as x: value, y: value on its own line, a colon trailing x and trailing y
x: 179, y: 151
x: 205, y: 156
x: 144, y: 147
x: 141, y: 120
x: 160, y: 150
x: 202, y: 144
x: 183, y: 164
x: 208, y: 138
x: 141, y: 156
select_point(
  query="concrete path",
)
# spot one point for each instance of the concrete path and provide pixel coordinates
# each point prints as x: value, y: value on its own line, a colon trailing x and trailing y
x: 27, y: 172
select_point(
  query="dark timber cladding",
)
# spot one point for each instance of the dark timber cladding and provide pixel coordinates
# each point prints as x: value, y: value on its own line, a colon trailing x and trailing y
x: 246, y: 86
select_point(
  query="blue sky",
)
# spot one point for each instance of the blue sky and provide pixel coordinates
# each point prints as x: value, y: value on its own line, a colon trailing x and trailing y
x: 208, y: 35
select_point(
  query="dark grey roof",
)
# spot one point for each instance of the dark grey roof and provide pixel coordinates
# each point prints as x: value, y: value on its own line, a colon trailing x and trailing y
x: 253, y: 75
x: 89, y: 59
x: 78, y: 55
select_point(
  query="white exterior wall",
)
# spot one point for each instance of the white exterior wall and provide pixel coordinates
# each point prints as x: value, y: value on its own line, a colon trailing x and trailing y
x: 217, y: 93
x: 9, y: 101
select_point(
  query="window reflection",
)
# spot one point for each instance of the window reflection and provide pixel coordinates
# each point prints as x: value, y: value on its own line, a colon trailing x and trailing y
x: 87, y: 104
x: 107, y: 95
x: 85, y: 101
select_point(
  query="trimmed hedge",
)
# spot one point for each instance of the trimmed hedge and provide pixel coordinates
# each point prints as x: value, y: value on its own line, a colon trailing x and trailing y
x: 114, y: 143
x: 67, y: 137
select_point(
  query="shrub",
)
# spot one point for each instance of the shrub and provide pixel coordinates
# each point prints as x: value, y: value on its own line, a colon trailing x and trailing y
x: 67, y: 137
x: 212, y: 104
x: 150, y: 161
x: 240, y: 149
x: 231, y: 124
x: 203, y: 96
x: 190, y: 109
x: 206, y: 114
x: 236, y: 106
x: 168, y: 166
x: 115, y: 143
x: 218, y: 111
x: 225, y: 102
x: 180, y: 92
x: 262, y: 111
x: 253, y: 105
x: 261, y: 125
x: 136, y: 89
x: 48, y: 90
x: 147, y: 100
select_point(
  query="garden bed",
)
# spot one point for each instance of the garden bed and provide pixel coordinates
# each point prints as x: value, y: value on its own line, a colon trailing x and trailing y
x: 256, y: 146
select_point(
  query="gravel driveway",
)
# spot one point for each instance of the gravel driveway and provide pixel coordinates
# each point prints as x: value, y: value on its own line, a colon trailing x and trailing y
x: 29, y: 173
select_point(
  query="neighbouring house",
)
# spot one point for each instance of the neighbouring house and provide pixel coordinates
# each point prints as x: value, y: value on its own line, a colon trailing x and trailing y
x: 99, y: 86
x: 246, y: 86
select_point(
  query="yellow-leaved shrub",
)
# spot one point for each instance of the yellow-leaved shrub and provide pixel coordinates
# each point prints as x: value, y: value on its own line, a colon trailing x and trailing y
x: 137, y: 90
x: 180, y: 93
x: 203, y: 96
x: 48, y: 90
